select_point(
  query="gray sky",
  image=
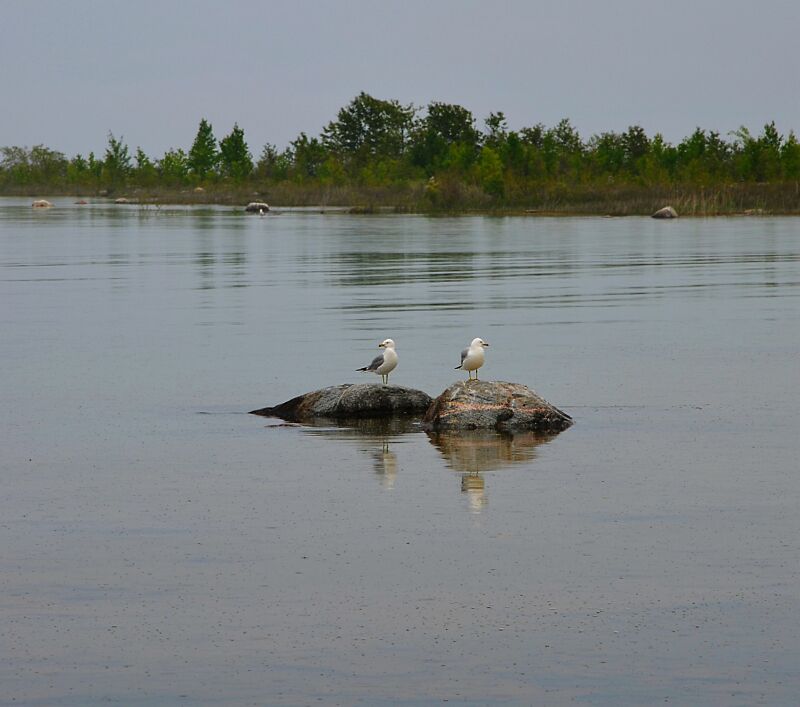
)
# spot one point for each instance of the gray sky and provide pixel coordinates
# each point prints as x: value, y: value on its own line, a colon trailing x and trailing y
x: 72, y: 71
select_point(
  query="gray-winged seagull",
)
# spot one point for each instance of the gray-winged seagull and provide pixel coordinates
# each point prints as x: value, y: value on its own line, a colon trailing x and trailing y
x: 383, y: 363
x: 473, y: 357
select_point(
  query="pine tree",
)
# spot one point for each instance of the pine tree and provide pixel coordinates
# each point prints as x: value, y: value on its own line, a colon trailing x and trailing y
x: 235, y: 157
x: 203, y: 155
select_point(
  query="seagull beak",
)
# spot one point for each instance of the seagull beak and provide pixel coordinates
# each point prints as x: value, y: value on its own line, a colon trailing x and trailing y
x: 485, y: 344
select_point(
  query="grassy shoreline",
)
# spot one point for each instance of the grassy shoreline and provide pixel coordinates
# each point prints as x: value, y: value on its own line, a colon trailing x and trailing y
x: 560, y: 199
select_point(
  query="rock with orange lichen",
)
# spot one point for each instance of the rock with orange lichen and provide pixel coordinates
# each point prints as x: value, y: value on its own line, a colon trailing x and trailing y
x: 477, y: 405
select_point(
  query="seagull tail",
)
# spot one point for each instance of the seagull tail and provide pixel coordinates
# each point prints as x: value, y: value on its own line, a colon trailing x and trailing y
x: 456, y: 368
x: 366, y: 368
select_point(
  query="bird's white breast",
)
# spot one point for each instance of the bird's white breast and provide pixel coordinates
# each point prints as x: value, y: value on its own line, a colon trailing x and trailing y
x: 389, y: 361
x: 474, y: 359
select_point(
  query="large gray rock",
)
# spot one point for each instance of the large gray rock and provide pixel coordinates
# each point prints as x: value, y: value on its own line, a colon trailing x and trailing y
x: 666, y: 212
x: 497, y: 405
x: 351, y: 401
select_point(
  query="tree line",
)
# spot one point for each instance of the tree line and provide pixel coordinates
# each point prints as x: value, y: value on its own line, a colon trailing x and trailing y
x: 438, y: 150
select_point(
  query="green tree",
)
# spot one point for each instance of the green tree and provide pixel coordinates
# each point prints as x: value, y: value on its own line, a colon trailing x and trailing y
x: 790, y: 157
x: 203, y: 155
x: 117, y: 162
x: 369, y: 127
x: 235, y: 158
x: 490, y: 172
x: 174, y: 167
x: 636, y: 145
x: 308, y: 156
x: 496, y: 130
x: 78, y: 171
x: 273, y: 164
x: 145, y: 171
x: 443, y: 126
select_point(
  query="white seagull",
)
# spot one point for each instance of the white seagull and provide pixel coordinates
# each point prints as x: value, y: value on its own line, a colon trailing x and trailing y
x: 383, y: 363
x: 473, y: 357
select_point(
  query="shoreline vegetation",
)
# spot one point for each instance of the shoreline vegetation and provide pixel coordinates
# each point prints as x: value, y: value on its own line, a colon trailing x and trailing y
x: 380, y: 155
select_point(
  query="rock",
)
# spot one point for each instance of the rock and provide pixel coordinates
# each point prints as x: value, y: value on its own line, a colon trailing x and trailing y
x: 82, y: 202
x: 122, y: 200
x: 666, y: 212
x: 477, y: 405
x: 42, y: 204
x: 257, y: 207
x: 198, y: 190
x: 351, y: 401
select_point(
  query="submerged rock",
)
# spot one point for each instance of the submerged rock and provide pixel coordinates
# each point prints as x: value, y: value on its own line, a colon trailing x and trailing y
x: 351, y: 401
x: 483, y: 405
x: 666, y: 212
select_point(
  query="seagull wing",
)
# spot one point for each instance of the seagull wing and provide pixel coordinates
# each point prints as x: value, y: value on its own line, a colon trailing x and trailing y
x: 463, y: 356
x: 377, y: 361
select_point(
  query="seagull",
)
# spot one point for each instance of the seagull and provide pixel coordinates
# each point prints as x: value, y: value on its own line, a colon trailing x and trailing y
x: 383, y: 363
x: 473, y: 357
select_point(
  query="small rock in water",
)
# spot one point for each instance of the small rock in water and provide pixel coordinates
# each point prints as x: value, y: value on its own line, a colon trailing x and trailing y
x: 666, y: 212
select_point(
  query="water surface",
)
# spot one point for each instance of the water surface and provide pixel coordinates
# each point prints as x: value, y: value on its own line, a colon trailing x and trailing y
x: 159, y: 546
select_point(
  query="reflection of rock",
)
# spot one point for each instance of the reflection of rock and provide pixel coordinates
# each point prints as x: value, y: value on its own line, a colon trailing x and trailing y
x: 471, y: 405
x: 474, y: 450
x: 372, y: 435
x: 360, y: 428
x: 350, y: 400
x: 666, y: 212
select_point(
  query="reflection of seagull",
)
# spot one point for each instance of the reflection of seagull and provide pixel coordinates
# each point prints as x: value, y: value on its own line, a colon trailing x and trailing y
x: 474, y: 486
x: 384, y: 363
x: 473, y: 357
x: 386, y: 465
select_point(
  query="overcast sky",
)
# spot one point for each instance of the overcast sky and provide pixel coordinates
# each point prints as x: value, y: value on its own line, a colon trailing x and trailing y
x: 72, y: 71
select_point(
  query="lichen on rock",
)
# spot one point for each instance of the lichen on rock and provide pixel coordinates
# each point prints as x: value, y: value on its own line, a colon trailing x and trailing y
x: 473, y: 405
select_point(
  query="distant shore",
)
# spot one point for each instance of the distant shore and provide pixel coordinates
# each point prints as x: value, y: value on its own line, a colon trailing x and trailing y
x: 731, y: 200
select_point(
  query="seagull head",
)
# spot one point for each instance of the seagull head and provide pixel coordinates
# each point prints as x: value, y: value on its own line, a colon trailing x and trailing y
x: 386, y: 344
x: 478, y: 342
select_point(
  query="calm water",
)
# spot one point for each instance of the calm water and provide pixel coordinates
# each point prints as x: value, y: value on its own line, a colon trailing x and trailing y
x: 161, y: 547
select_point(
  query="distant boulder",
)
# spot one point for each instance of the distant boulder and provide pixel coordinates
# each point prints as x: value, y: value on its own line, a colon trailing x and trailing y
x: 497, y: 405
x: 666, y: 212
x: 351, y: 401
x: 257, y: 207
x: 122, y: 200
x: 42, y: 204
